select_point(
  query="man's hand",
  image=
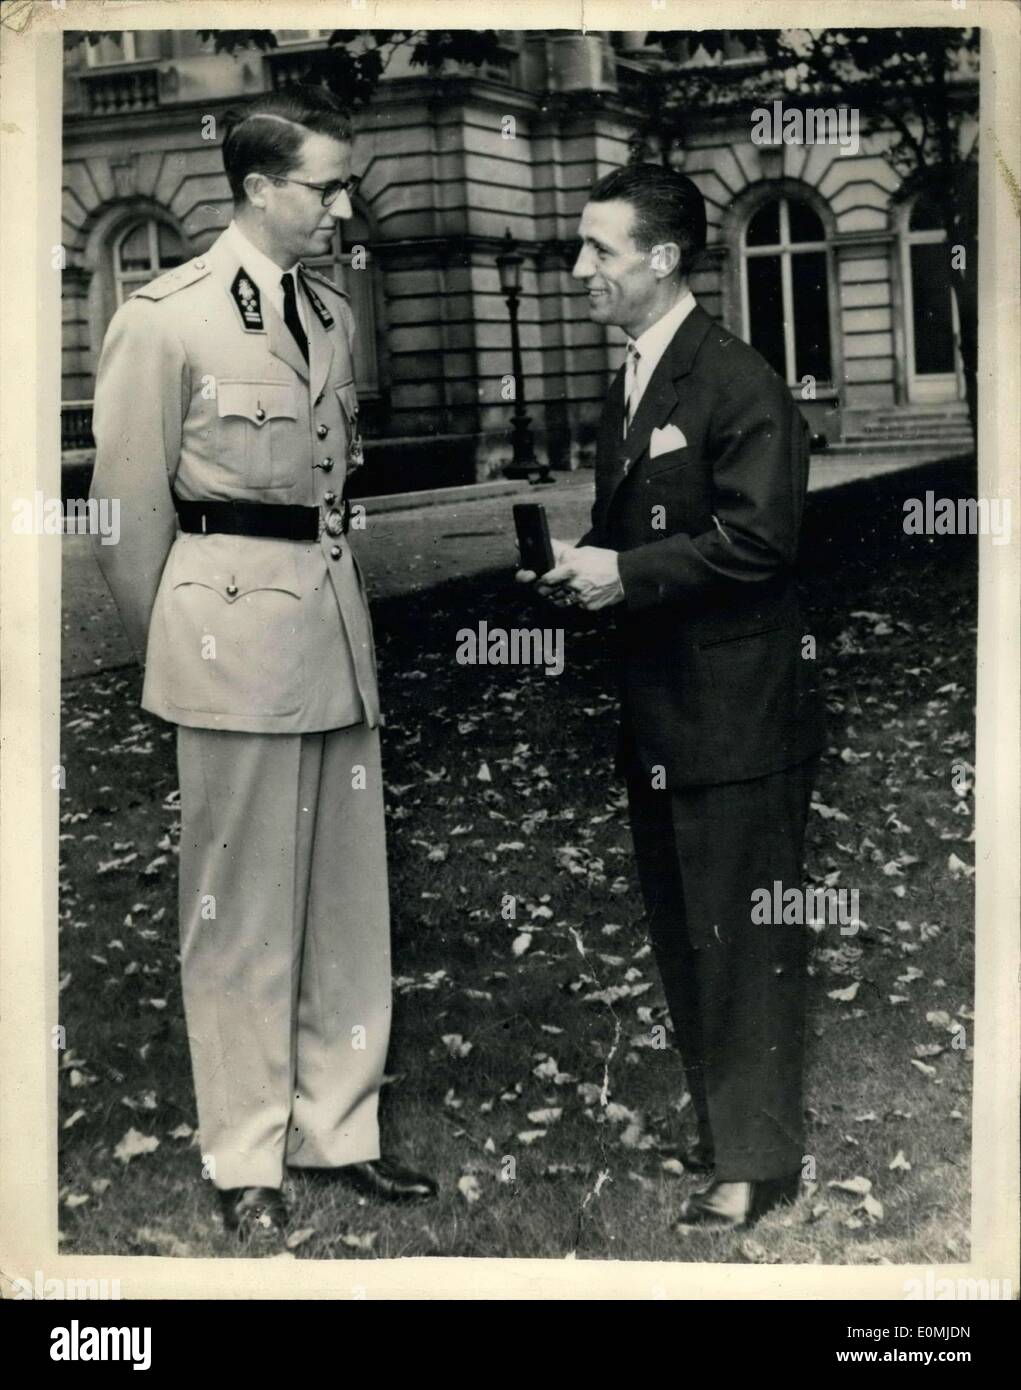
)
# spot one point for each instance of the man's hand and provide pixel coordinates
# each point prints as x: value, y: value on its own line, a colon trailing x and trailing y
x: 587, y: 577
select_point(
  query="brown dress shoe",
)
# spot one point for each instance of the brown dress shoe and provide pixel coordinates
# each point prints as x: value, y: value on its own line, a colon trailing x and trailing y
x: 253, y: 1211
x: 731, y: 1205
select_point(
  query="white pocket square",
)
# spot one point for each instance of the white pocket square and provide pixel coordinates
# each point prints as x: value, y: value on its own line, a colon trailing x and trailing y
x: 664, y: 440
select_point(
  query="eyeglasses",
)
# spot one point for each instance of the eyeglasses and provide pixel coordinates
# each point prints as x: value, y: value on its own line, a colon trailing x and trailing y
x: 330, y: 191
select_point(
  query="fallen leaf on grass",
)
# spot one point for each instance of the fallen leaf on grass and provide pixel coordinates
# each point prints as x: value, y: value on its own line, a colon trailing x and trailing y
x: 365, y: 1242
x: 531, y: 1136
x: 857, y: 1186
x: 456, y: 1045
x: 469, y: 1188
x: 899, y: 1163
x: 135, y: 1145
x: 844, y: 996
x: 873, y: 1208
x: 548, y: 1070
x: 297, y: 1238
x: 548, y: 1116
x: 958, y: 867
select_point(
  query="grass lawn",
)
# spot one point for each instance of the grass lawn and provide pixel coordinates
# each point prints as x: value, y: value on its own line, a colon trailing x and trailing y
x: 534, y: 1095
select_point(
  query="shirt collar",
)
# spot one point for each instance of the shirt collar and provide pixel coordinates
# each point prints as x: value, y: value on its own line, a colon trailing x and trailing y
x: 655, y: 340
x: 264, y: 271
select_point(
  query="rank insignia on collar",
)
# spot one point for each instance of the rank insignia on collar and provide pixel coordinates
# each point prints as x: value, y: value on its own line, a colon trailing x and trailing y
x: 322, y: 313
x: 246, y: 296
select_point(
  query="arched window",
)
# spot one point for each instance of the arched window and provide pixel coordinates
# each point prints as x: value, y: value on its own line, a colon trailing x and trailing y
x: 350, y: 266
x: 141, y: 252
x: 785, y: 289
x: 931, y: 311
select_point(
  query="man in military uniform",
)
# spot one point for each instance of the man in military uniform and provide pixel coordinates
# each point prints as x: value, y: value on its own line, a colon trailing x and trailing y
x: 226, y: 422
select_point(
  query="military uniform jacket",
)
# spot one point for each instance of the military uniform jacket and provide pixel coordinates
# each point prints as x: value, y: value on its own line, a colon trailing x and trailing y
x: 203, y: 391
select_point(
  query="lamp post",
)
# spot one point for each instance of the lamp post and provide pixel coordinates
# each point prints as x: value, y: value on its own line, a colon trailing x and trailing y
x: 523, y: 463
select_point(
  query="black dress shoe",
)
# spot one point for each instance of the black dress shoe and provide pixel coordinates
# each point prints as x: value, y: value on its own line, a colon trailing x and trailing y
x: 698, y: 1159
x: 385, y: 1180
x: 731, y: 1205
x: 254, y: 1211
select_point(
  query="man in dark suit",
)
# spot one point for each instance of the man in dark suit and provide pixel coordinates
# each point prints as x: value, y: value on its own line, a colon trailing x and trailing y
x: 701, y: 474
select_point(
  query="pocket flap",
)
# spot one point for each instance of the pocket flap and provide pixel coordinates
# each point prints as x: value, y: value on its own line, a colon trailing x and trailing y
x: 347, y: 394
x: 256, y: 401
x: 217, y: 562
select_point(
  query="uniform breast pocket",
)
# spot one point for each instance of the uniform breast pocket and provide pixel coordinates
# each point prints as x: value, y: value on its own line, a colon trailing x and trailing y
x: 256, y: 431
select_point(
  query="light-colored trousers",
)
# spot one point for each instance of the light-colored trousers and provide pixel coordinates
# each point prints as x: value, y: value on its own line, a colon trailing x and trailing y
x: 285, y: 947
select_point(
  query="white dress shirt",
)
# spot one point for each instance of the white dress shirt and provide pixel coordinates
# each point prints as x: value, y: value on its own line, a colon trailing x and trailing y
x: 265, y: 272
x: 654, y: 342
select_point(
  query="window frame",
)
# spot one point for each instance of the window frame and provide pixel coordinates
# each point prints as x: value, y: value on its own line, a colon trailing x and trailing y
x: 785, y: 249
x: 134, y: 278
x: 914, y: 388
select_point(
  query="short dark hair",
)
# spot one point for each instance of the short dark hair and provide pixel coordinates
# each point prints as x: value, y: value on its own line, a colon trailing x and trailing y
x: 266, y: 135
x: 668, y: 207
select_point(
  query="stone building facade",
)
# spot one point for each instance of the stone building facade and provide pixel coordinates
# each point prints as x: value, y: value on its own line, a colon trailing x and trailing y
x: 817, y: 256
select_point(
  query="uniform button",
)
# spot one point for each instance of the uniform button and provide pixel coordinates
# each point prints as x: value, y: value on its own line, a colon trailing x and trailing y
x: 335, y: 523
x: 232, y: 590
x: 260, y: 414
x: 326, y: 465
x: 322, y: 431
x: 200, y: 265
x: 335, y: 552
x: 329, y: 498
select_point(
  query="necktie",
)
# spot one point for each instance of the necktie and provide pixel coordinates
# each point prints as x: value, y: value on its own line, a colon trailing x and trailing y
x: 630, y: 385
x: 291, y: 316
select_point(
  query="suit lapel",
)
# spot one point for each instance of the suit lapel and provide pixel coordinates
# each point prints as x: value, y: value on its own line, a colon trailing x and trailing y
x: 659, y: 399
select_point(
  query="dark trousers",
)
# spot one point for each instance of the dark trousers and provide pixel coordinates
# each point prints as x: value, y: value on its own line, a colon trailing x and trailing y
x: 735, y: 988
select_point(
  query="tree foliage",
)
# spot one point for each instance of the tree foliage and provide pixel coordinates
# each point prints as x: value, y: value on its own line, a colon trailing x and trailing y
x: 353, y: 60
x: 915, y: 87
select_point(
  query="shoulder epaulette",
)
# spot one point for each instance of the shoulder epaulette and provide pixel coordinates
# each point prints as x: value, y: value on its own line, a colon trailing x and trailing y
x: 173, y: 280
x: 322, y: 280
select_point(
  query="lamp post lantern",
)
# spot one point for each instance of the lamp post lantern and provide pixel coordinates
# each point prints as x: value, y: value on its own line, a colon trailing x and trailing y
x: 523, y: 463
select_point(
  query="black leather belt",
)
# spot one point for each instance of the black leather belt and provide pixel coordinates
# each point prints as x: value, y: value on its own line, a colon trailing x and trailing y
x: 266, y: 520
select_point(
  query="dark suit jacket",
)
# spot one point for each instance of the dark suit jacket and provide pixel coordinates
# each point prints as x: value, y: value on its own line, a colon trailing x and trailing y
x: 715, y: 687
